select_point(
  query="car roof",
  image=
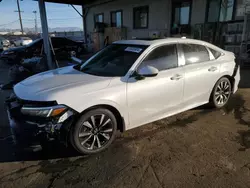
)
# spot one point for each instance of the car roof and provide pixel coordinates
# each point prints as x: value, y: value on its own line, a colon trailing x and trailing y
x: 165, y: 41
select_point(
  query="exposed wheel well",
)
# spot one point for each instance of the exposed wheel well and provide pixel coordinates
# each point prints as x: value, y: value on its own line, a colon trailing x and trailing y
x: 231, y: 79
x: 119, y: 118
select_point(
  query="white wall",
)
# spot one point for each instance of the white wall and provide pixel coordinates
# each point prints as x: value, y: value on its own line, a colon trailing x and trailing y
x: 159, y: 16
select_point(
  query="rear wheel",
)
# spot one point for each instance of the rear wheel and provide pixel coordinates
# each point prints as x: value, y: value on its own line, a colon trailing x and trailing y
x: 221, y: 93
x: 94, y: 131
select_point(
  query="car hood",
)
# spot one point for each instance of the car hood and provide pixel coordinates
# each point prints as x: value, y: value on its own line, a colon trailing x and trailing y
x: 55, y: 84
x: 17, y: 49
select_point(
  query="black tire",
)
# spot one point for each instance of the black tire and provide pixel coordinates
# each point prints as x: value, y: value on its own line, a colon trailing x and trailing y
x: 220, y: 97
x: 99, y: 136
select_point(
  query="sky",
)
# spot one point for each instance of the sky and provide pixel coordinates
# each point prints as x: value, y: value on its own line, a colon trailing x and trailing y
x: 59, y: 15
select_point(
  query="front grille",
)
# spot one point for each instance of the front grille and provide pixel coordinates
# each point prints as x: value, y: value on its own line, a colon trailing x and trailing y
x: 29, y: 103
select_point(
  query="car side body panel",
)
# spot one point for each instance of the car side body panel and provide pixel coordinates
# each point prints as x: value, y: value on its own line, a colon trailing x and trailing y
x: 149, y: 99
x: 198, y: 78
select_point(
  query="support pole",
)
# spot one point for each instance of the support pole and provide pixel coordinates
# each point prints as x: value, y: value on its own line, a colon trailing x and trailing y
x: 45, y: 34
x: 35, y: 20
x: 20, y: 17
x: 84, y: 13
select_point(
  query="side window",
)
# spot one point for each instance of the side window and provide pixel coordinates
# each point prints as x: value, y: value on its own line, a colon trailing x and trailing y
x: 162, y: 58
x: 195, y: 53
x: 215, y: 53
x: 57, y: 42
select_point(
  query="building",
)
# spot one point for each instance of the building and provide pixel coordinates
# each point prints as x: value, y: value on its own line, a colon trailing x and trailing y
x: 201, y: 19
x: 161, y: 17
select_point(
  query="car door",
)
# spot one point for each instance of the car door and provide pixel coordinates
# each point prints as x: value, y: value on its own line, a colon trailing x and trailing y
x: 153, y: 98
x: 201, y: 73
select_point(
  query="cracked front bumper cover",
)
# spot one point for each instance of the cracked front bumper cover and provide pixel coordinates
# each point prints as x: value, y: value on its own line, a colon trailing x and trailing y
x: 32, y: 130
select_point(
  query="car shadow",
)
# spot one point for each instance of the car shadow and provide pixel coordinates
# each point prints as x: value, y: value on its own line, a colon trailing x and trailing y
x: 237, y: 107
x: 245, y: 77
x: 73, y: 169
x: 14, y: 153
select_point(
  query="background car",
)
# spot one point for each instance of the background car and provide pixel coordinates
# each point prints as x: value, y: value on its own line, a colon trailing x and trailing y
x: 6, y: 43
x: 22, y: 41
x: 3, y: 43
x: 62, y: 48
x: 125, y: 85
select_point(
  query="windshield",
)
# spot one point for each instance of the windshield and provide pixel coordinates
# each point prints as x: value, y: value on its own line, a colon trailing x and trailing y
x: 113, y: 61
x: 35, y: 41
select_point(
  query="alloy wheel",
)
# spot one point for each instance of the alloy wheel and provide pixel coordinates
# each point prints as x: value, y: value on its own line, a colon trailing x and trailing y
x: 222, y: 92
x: 96, y: 131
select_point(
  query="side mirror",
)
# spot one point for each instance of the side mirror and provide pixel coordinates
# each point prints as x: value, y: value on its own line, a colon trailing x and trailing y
x: 148, y: 71
x: 76, y: 60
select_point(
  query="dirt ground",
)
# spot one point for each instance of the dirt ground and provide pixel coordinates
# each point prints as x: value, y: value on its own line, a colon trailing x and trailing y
x: 199, y: 148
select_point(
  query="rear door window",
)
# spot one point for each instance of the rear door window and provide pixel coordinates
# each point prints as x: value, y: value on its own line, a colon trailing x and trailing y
x: 162, y: 58
x: 195, y: 53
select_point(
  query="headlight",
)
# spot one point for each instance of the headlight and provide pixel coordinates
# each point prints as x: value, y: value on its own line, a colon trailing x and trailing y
x: 44, y: 111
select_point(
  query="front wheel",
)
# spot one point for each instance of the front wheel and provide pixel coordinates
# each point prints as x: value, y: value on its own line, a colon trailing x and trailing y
x: 94, y: 131
x: 221, y: 93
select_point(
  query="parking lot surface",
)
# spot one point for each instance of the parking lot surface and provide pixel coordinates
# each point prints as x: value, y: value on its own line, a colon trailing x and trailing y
x: 202, y: 147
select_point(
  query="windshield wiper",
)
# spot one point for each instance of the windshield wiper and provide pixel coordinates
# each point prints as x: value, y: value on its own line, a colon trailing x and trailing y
x: 85, y: 69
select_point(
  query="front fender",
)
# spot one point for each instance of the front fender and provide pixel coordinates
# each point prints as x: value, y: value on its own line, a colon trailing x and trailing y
x: 80, y: 107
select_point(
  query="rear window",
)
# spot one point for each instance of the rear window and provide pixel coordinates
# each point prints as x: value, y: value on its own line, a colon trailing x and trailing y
x: 215, y: 53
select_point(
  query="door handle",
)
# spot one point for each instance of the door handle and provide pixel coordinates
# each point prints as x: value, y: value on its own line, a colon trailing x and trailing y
x: 176, y: 77
x: 212, y: 69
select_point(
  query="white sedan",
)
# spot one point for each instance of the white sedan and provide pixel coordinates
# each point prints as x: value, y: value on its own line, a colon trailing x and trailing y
x: 125, y: 85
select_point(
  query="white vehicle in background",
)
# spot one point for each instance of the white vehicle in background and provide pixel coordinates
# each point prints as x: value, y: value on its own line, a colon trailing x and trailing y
x: 6, y: 43
x: 125, y: 85
x: 3, y: 43
x: 22, y: 41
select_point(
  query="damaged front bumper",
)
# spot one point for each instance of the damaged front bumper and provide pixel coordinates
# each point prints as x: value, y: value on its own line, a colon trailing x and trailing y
x: 29, y: 130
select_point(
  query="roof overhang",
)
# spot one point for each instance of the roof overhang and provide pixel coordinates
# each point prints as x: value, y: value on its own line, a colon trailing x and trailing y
x: 72, y: 2
x: 86, y: 3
